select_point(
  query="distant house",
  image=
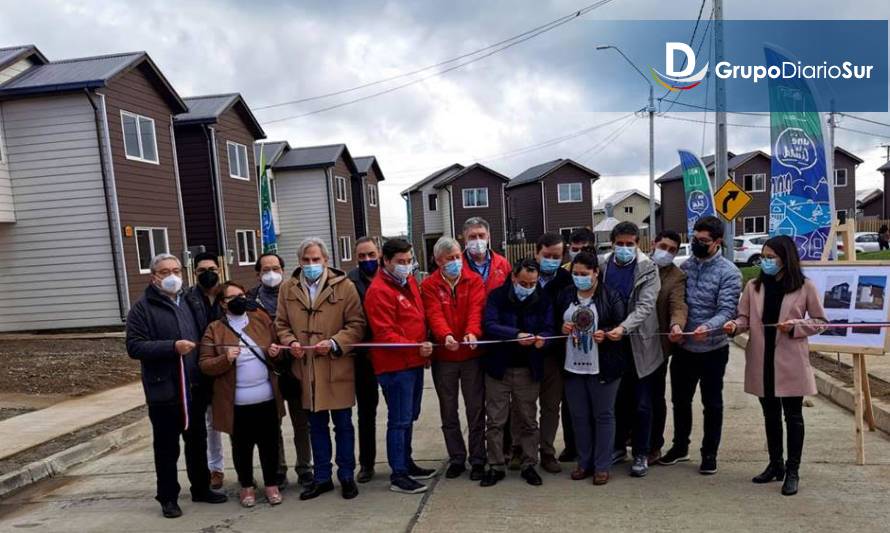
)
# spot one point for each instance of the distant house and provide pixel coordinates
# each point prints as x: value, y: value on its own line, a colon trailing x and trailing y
x: 439, y: 204
x: 214, y: 145
x: 88, y: 186
x: 367, y: 187
x: 841, y: 292
x: 554, y: 196
x: 627, y: 206
x: 870, y: 204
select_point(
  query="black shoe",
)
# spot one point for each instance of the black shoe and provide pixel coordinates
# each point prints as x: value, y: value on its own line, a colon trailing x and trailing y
x: 282, y: 481
x: 477, y: 472
x: 531, y: 476
x: 619, y: 456
x: 171, y: 510
x: 774, y: 471
x: 455, y: 470
x: 568, y: 456
x: 365, y: 475
x: 211, y: 496
x: 491, y: 477
x: 415, y: 472
x: 317, y: 489
x: 406, y: 485
x: 792, y: 480
x: 306, y: 479
x: 674, y: 456
x: 349, y: 489
x: 708, y: 465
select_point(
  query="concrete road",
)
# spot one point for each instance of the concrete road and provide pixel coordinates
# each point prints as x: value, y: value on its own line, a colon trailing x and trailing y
x: 115, y: 492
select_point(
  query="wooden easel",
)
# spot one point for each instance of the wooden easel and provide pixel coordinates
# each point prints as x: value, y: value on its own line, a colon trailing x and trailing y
x: 862, y: 406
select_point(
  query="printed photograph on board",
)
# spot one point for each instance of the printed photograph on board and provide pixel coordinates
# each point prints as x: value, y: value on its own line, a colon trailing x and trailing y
x: 870, y: 292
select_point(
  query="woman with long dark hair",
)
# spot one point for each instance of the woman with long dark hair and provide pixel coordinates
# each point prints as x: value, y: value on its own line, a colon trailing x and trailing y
x: 774, y: 309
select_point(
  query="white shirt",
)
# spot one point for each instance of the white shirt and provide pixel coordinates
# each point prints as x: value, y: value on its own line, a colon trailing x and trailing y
x: 252, y: 384
x: 579, y: 360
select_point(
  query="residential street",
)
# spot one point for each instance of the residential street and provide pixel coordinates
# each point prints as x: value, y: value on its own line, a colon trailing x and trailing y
x: 115, y: 493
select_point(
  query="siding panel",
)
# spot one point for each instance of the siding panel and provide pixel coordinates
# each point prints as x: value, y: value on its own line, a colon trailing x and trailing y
x: 302, y: 209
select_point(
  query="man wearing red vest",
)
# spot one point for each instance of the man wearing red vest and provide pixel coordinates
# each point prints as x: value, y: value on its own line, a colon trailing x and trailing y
x: 394, y: 309
x: 454, y: 301
x: 479, y: 258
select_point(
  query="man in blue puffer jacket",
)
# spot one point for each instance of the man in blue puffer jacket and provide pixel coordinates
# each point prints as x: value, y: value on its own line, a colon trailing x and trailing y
x: 713, y: 284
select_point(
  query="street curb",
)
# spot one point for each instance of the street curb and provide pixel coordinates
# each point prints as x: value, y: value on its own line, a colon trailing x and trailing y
x: 839, y: 392
x: 60, y: 462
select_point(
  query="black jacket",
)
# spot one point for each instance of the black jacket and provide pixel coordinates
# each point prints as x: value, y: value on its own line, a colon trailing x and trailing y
x: 152, y: 331
x: 551, y: 291
x: 362, y: 282
x: 613, y: 356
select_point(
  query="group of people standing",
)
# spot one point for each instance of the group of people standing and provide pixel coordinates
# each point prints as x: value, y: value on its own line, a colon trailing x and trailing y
x: 588, y: 343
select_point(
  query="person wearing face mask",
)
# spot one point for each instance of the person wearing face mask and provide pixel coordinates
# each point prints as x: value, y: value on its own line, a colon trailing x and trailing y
x: 366, y: 388
x: 517, y: 312
x: 579, y: 240
x: 240, y: 353
x: 713, y: 285
x: 479, y: 258
x: 777, y: 357
x: 634, y: 276
x: 320, y: 317
x: 395, y: 314
x: 672, y: 310
x: 163, y: 329
x: 453, y: 301
x: 594, y: 365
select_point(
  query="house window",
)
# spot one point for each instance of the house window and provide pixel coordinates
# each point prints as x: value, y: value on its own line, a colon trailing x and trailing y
x: 433, y: 202
x: 246, y: 246
x: 569, y: 192
x: 372, y: 195
x: 345, y: 248
x: 840, y: 177
x: 476, y: 197
x: 140, y: 143
x: 273, y: 192
x: 754, y: 182
x: 755, y: 224
x: 567, y: 233
x: 341, y: 184
x: 237, y: 161
x: 628, y: 209
x: 149, y: 243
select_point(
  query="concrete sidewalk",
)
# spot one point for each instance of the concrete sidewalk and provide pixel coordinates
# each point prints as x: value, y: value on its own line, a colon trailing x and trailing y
x: 115, y: 492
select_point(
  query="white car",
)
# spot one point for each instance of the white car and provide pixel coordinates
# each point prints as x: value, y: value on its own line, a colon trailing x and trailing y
x: 748, y: 248
x: 866, y: 241
x: 682, y: 254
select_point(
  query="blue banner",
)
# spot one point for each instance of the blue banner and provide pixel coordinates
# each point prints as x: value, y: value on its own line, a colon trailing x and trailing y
x: 697, y: 187
x: 800, y: 196
x: 270, y: 241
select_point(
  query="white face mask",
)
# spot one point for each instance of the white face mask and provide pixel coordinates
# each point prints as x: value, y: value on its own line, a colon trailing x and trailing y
x: 477, y: 246
x: 271, y: 279
x: 171, y: 284
x: 662, y: 257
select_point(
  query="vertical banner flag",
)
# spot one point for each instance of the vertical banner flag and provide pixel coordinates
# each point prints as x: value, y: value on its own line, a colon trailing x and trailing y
x: 801, y: 203
x: 270, y: 243
x: 697, y: 185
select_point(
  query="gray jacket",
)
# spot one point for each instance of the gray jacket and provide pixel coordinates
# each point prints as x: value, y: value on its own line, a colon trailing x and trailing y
x: 713, y: 286
x: 641, y: 323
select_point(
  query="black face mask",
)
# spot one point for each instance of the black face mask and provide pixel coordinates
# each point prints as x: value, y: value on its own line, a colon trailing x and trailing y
x: 238, y: 306
x: 700, y: 250
x: 208, y: 279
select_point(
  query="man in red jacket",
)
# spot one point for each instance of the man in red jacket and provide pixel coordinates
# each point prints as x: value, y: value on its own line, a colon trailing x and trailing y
x: 394, y: 309
x: 453, y: 301
x: 478, y: 258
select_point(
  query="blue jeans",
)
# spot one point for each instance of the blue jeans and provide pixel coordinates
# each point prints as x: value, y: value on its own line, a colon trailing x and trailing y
x: 592, y: 405
x: 344, y: 435
x: 403, y: 391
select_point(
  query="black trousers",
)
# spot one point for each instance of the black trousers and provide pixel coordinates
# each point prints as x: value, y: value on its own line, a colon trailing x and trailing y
x: 772, y: 417
x: 255, y: 426
x: 367, y: 397
x: 659, y: 406
x: 705, y: 370
x: 167, y: 424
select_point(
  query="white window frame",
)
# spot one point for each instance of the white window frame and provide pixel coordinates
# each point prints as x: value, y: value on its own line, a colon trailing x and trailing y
x: 845, y: 174
x: 345, y: 242
x: 338, y: 180
x: 745, y: 223
x: 137, y: 117
x: 754, y: 188
x: 249, y: 236
x: 571, y: 187
x: 372, y: 195
x: 151, y: 242
x: 238, y: 149
x: 475, y: 191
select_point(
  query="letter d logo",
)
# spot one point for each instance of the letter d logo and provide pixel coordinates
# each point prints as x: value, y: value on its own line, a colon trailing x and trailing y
x: 675, y: 80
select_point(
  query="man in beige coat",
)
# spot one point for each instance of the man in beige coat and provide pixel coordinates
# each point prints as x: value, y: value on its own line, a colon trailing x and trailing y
x: 320, y: 316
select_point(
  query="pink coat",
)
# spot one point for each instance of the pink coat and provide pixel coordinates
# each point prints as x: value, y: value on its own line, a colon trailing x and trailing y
x: 794, y: 375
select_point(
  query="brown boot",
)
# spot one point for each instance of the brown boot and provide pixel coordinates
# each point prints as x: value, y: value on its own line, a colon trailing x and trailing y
x: 580, y: 473
x: 550, y: 464
x: 216, y: 480
x: 600, y: 478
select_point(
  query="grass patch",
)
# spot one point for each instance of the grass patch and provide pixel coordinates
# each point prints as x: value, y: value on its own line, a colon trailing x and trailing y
x: 749, y: 273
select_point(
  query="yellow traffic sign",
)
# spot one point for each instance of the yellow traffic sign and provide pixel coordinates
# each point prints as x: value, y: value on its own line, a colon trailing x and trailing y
x: 730, y: 199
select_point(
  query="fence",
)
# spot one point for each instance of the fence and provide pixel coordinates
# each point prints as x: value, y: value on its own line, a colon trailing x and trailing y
x: 870, y: 224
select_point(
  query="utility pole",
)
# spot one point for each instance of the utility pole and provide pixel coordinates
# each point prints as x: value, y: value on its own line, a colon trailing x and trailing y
x: 720, y: 146
x: 887, y: 146
x: 652, y: 226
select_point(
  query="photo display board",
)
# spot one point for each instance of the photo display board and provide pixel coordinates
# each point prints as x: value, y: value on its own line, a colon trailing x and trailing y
x: 852, y: 292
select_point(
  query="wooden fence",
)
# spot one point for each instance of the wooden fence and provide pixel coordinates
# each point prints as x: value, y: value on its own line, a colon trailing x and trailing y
x: 870, y: 224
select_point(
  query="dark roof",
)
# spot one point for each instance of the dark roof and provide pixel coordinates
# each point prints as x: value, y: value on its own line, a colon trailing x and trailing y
x: 315, y: 157
x: 851, y: 155
x: 868, y: 197
x: 272, y: 151
x: 86, y: 73
x: 207, y: 110
x: 442, y: 173
x: 365, y: 163
x: 13, y: 54
x: 451, y: 177
x: 539, y: 172
x: 676, y: 173
x: 884, y: 167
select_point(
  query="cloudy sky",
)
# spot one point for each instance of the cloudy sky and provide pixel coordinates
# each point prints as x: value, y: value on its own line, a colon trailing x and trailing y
x: 545, y: 88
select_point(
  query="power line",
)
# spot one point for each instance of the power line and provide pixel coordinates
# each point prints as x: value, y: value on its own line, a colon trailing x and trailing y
x: 706, y: 108
x: 873, y: 134
x: 697, y: 52
x: 863, y: 119
x: 611, y: 136
x: 699, y: 121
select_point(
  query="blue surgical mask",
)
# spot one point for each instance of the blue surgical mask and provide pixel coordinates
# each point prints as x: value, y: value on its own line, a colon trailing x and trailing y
x: 313, y: 272
x: 662, y: 257
x: 769, y: 266
x: 402, y: 271
x: 369, y: 267
x: 522, y: 292
x: 582, y: 283
x: 625, y: 254
x: 549, y: 266
x: 452, y: 268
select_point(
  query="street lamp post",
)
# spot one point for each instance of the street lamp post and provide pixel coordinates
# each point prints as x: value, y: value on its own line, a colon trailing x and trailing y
x: 651, y: 110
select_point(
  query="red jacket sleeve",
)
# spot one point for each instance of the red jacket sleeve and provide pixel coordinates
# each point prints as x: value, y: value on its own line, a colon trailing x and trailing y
x: 381, y: 310
x: 476, y: 306
x: 432, y: 307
